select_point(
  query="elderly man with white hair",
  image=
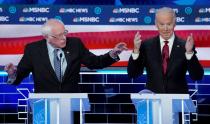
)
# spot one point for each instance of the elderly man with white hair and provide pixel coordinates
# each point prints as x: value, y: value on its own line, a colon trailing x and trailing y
x: 56, y: 60
x: 166, y: 57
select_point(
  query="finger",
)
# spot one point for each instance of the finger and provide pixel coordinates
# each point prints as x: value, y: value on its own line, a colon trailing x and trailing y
x: 124, y: 48
x: 188, y: 38
x: 121, y: 44
x: 119, y: 50
x: 138, y: 36
x: 7, y: 67
x: 191, y: 34
x: 137, y: 33
x: 137, y: 40
x: 10, y: 65
x: 191, y: 40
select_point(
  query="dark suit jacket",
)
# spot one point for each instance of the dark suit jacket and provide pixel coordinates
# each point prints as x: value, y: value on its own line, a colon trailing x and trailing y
x: 175, y: 79
x: 36, y: 60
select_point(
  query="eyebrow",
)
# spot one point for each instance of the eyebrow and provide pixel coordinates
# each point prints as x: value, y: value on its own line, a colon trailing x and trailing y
x: 60, y: 33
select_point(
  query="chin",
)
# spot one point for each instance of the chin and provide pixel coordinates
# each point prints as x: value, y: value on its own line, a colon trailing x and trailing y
x: 166, y: 37
x: 63, y: 46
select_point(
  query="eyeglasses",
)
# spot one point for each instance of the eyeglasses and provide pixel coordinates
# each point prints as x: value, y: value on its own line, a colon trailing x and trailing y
x: 60, y: 36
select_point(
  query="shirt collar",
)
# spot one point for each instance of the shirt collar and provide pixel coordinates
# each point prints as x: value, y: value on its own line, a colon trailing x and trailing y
x: 50, y: 48
x: 170, y: 40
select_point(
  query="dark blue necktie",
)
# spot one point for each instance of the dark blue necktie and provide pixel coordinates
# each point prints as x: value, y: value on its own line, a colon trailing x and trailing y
x: 57, y: 65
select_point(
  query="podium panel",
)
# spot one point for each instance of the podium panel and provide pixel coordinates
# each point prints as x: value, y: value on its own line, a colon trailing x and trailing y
x: 162, y: 108
x: 57, y: 108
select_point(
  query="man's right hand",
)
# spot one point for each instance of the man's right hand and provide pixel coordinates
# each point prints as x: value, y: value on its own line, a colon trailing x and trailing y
x: 189, y: 44
x: 10, y: 69
x: 137, y: 43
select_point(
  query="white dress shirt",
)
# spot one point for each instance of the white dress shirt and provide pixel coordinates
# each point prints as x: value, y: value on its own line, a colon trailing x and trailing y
x: 51, y: 57
x: 170, y: 44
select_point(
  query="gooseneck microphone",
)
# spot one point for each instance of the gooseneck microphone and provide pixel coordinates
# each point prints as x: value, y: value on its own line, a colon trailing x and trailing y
x: 61, y: 55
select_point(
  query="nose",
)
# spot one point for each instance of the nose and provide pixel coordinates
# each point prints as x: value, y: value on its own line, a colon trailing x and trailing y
x: 63, y: 37
x: 165, y: 27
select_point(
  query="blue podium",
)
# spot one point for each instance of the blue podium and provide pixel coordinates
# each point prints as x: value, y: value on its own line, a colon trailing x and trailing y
x: 162, y: 108
x: 57, y: 108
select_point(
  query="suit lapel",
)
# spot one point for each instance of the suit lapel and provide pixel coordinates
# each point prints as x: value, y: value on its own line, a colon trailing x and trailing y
x: 45, y: 58
x: 158, y: 53
x: 67, y: 53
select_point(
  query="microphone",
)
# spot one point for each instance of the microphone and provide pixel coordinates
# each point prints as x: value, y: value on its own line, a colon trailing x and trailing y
x: 61, y: 55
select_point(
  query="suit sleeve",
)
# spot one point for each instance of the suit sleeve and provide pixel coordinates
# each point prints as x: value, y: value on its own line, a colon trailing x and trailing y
x: 195, y: 69
x: 93, y: 61
x: 135, y: 67
x: 24, y: 67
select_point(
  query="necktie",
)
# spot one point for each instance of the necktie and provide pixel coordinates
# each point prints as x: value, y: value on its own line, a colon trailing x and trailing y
x: 165, y: 57
x: 57, y: 65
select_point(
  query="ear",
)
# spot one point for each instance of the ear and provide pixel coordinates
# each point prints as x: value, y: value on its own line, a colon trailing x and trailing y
x: 156, y: 24
x: 45, y: 36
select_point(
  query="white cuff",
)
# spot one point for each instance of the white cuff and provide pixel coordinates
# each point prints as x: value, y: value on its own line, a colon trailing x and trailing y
x: 135, y: 56
x: 115, y: 57
x: 189, y: 55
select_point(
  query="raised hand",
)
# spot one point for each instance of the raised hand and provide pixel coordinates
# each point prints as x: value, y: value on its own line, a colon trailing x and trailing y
x: 118, y: 49
x: 189, y: 44
x: 137, y: 42
x: 10, y: 69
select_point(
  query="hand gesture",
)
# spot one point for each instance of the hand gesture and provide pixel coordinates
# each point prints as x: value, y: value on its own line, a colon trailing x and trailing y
x: 137, y: 42
x: 118, y: 49
x: 189, y: 44
x: 10, y: 69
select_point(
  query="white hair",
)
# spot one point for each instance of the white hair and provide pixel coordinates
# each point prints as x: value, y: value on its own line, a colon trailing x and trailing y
x: 166, y: 10
x: 47, y: 28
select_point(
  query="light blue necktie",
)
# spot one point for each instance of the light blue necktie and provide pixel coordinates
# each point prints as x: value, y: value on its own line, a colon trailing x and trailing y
x: 57, y: 65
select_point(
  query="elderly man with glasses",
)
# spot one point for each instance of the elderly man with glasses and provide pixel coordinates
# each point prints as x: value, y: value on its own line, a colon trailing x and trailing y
x: 56, y: 60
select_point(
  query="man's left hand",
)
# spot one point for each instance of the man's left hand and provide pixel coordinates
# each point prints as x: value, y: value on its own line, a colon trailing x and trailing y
x: 118, y: 49
x: 189, y: 44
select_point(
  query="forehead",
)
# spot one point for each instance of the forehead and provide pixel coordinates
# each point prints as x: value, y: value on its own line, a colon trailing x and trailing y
x: 164, y: 17
x: 58, y: 29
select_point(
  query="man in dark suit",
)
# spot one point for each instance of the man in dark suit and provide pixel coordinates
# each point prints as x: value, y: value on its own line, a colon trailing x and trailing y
x: 55, y: 61
x: 166, y: 57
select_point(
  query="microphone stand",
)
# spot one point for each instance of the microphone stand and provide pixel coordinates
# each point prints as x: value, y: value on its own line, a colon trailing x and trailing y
x: 61, y: 55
